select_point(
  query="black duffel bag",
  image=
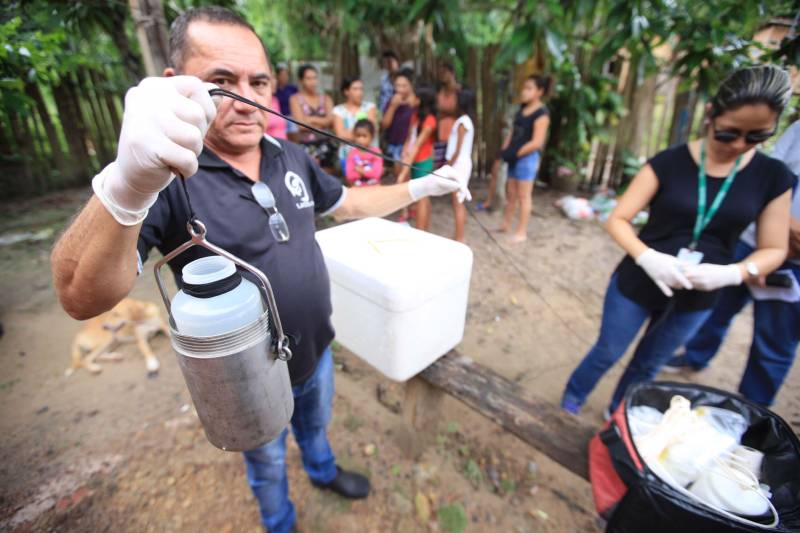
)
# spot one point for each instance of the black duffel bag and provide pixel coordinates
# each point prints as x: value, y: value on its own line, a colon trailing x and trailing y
x: 634, y: 500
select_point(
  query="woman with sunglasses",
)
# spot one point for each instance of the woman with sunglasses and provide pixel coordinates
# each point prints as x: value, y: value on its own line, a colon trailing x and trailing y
x: 701, y: 195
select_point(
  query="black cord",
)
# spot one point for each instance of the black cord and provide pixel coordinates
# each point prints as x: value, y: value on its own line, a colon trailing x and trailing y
x: 192, y: 215
x: 237, y: 97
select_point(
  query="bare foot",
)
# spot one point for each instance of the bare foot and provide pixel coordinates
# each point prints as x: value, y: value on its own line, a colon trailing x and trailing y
x: 516, y: 239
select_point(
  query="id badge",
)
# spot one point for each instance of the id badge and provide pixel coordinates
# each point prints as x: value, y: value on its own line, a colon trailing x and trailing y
x: 690, y: 257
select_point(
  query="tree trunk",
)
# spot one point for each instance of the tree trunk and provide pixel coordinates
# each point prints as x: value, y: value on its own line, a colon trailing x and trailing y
x: 598, y: 169
x: 626, y: 131
x: 83, y: 102
x: 666, y: 111
x: 11, y: 166
x: 35, y: 93
x: 115, y: 28
x: 43, y: 162
x: 151, y: 31
x: 74, y: 130
x: 492, y: 110
x: 397, y: 39
x: 106, y: 99
x: 95, y: 118
x: 682, y: 116
x: 345, y: 61
x: 113, y: 100
x: 427, y: 65
x: 643, y: 125
x: 471, y: 75
x: 24, y: 143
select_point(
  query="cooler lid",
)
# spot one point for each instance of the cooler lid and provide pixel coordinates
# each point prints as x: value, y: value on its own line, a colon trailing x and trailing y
x: 393, y: 265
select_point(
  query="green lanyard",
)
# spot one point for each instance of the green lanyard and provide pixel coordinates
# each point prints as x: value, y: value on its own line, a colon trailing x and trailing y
x: 703, y: 216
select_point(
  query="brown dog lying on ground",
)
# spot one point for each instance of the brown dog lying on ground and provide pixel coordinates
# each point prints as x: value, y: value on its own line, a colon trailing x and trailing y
x: 131, y: 320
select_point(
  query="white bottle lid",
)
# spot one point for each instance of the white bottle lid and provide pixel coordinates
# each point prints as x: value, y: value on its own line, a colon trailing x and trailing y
x: 208, y: 270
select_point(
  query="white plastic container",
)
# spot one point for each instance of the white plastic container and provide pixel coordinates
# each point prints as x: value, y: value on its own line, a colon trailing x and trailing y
x: 213, y: 310
x: 399, y: 294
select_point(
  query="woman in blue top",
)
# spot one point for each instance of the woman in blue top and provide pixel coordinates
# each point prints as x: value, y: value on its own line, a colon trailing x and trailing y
x: 701, y: 196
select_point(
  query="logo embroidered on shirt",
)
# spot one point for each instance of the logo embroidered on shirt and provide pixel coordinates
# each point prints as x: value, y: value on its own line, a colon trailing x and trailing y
x: 297, y: 187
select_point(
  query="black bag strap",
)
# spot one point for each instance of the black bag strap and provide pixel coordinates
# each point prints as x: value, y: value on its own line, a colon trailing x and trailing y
x: 620, y: 456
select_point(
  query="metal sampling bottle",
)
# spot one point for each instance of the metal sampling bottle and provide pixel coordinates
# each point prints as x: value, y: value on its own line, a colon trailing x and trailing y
x: 230, y: 347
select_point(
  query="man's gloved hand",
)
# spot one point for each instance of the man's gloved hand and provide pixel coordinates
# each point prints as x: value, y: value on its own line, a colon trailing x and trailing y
x: 163, y: 127
x: 444, y: 180
x: 664, y: 269
x: 708, y: 277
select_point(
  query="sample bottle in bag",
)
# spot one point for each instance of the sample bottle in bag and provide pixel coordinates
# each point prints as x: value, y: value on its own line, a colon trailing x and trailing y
x: 223, y: 341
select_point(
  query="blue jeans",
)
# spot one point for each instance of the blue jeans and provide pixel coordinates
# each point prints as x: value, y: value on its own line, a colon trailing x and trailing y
x: 395, y: 151
x: 525, y: 168
x: 266, y: 466
x: 776, y: 335
x: 622, y: 319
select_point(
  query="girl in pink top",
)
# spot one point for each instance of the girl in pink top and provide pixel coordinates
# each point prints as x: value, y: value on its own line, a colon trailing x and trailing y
x: 363, y: 168
x: 276, y: 126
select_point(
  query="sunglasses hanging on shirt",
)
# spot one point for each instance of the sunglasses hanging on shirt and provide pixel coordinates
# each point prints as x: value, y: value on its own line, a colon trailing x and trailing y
x: 277, y: 224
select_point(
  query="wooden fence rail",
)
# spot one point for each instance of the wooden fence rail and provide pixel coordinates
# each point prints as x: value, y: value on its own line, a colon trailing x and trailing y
x: 538, y: 422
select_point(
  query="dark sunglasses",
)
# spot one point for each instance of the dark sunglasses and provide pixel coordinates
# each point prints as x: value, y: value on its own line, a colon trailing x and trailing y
x: 265, y: 198
x: 751, y: 137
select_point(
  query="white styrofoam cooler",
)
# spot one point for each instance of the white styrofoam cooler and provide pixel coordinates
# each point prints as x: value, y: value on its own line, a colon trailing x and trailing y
x: 399, y: 294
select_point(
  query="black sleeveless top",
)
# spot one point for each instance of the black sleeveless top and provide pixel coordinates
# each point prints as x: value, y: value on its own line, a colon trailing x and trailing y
x: 673, y: 211
x: 522, y: 132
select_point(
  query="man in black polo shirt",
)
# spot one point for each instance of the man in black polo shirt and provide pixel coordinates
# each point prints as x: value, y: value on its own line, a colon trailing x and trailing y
x: 171, y: 125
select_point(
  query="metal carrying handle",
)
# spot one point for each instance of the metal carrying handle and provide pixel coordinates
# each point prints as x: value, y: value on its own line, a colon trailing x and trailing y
x: 197, y: 234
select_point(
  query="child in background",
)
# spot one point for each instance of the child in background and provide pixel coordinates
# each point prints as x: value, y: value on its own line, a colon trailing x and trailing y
x: 522, y: 150
x: 459, y: 153
x: 397, y: 115
x: 276, y: 126
x: 418, y: 149
x: 363, y: 168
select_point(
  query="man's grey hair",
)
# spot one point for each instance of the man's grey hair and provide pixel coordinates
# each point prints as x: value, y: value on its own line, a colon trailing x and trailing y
x: 179, y: 43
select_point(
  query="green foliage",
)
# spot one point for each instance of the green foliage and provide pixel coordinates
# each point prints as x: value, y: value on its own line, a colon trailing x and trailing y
x: 708, y: 39
x: 452, y: 518
x: 630, y: 163
x: 711, y: 39
x: 352, y: 423
x: 473, y: 473
x: 26, y: 56
x: 508, y: 486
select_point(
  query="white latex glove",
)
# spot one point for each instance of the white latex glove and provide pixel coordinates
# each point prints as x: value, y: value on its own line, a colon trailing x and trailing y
x: 163, y: 127
x: 444, y: 180
x: 708, y: 277
x: 665, y: 270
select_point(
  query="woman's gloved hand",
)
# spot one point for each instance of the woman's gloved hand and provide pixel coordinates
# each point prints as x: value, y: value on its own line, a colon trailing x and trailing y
x: 708, y: 277
x: 665, y: 270
x: 163, y: 127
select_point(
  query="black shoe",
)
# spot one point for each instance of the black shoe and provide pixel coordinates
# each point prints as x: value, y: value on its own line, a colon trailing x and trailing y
x: 677, y: 364
x: 348, y: 484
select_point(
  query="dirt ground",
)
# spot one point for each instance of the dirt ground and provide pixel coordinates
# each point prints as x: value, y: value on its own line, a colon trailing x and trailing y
x: 123, y: 452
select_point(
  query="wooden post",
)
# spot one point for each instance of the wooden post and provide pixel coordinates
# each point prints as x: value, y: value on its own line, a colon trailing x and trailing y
x: 682, y: 116
x: 151, y: 31
x: 492, y: 112
x: 421, y: 416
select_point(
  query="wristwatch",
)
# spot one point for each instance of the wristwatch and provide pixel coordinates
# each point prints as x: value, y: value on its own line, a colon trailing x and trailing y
x: 752, y: 269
